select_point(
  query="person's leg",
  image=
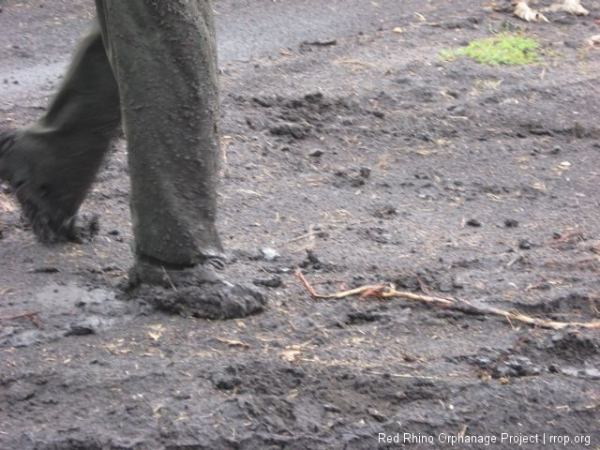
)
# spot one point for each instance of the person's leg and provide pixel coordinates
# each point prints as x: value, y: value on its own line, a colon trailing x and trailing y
x: 52, y: 164
x: 163, y: 55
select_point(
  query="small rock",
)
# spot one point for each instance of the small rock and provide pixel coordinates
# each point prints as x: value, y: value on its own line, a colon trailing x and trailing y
x: 365, y: 172
x: 312, y: 260
x: 524, y: 244
x: 331, y: 408
x: 379, y: 417
x: 473, y: 223
x: 45, y: 269
x: 400, y: 395
x: 295, y: 130
x: 592, y: 373
x: 80, y: 330
x: 98, y: 362
x: 272, y: 282
x: 457, y: 110
x: 571, y: 371
x: 179, y: 395
x: 224, y: 382
x: 262, y: 101
x: 317, y: 96
x: 511, y: 223
x: 269, y: 254
x: 85, y: 327
x: 516, y: 366
x: 483, y: 362
x: 385, y: 212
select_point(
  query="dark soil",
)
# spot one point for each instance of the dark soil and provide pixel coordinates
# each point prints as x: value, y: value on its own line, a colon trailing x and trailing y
x: 360, y: 156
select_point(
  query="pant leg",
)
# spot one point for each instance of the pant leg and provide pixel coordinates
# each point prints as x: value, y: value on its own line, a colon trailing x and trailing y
x: 56, y: 159
x: 164, y: 57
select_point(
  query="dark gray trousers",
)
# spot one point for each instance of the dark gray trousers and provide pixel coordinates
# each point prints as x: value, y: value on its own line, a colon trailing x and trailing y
x: 151, y: 64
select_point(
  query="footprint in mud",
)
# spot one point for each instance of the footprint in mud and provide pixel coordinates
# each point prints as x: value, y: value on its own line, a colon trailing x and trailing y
x: 68, y: 310
x: 299, y: 118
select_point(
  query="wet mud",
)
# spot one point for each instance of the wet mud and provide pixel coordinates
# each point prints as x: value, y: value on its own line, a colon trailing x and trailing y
x: 369, y: 160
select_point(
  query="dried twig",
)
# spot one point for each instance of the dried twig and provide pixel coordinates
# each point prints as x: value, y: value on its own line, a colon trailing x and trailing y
x: 30, y: 315
x: 383, y: 291
x: 168, y: 278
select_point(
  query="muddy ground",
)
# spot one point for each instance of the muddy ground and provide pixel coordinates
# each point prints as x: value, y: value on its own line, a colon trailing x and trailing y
x: 360, y: 156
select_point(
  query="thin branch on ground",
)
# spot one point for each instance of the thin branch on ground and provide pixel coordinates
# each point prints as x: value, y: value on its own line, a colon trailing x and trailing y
x: 30, y: 315
x: 385, y: 292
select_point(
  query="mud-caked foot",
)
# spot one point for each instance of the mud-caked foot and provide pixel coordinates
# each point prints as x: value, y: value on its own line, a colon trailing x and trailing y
x: 215, y: 301
x: 85, y: 227
x: 82, y: 228
x: 197, y: 292
x: 48, y: 220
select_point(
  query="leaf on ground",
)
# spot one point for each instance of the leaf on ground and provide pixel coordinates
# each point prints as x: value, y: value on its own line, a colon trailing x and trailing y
x: 157, y: 331
x: 523, y: 11
x: 155, y: 335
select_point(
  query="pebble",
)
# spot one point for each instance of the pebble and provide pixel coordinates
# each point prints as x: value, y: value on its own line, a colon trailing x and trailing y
x: 525, y: 244
x: 516, y: 366
x: 332, y: 408
x: 269, y: 254
x: 473, y: 223
x: 272, y: 282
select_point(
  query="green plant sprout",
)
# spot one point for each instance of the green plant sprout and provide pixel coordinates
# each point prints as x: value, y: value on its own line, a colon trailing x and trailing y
x: 503, y: 49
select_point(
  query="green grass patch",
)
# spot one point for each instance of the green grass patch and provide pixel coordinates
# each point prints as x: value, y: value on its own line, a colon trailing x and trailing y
x: 502, y: 49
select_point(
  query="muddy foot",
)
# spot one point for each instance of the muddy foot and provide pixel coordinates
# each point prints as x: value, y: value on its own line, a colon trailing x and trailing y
x: 215, y: 301
x: 78, y: 229
x: 197, y: 292
x: 48, y: 222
